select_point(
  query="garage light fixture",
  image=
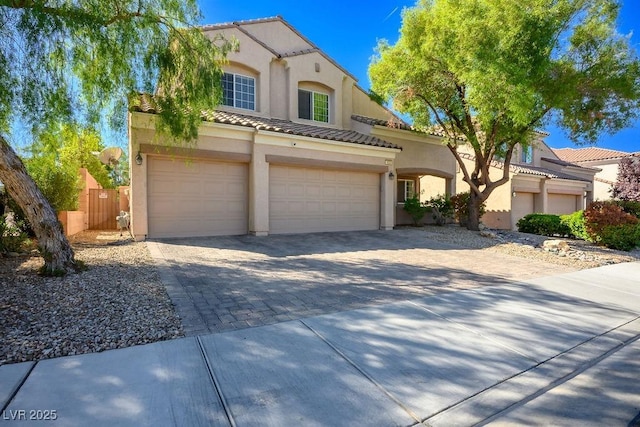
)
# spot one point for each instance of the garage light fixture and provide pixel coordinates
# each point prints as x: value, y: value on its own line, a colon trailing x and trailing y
x: 138, y: 159
x: 391, y: 176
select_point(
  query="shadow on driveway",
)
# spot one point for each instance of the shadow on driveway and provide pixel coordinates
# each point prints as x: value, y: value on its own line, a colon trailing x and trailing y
x: 235, y: 282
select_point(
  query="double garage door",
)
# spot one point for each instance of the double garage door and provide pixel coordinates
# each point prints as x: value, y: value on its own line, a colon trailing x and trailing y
x: 203, y: 198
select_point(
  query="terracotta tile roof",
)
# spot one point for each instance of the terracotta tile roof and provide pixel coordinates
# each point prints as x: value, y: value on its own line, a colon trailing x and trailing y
x: 529, y: 170
x: 394, y: 123
x: 577, y: 155
x: 565, y: 163
x: 281, y: 126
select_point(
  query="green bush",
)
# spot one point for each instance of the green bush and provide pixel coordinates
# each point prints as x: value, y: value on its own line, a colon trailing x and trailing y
x: 631, y: 207
x: 12, y: 237
x: 416, y: 209
x: 576, y: 224
x: 441, y: 209
x: 622, y: 237
x: 543, y: 224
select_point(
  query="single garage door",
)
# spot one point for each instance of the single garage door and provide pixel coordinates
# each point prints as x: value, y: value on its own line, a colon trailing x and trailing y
x: 196, y: 198
x: 560, y: 204
x: 521, y: 205
x: 304, y: 200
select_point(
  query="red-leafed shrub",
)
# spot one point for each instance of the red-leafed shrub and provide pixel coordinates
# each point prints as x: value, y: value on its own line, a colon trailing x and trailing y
x: 601, y: 215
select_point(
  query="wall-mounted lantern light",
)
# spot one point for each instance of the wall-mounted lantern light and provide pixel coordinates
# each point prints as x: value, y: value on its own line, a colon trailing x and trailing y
x: 138, y: 159
x: 391, y: 176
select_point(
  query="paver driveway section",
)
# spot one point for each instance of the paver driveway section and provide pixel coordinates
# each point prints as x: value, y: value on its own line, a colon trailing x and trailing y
x: 227, y: 283
x: 538, y: 352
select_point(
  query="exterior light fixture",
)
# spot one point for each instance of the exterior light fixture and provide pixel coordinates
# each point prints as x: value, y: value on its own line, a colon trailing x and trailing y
x: 391, y: 175
x: 513, y: 194
x: 138, y: 159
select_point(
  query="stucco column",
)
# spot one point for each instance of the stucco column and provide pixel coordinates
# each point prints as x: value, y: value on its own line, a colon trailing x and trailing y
x: 258, y: 193
x: 387, y: 206
x: 139, y: 223
x: 541, y: 201
x: 450, y: 186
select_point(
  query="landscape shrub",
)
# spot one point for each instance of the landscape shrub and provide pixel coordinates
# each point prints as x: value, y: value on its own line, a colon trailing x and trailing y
x: 624, y: 237
x: 543, y: 224
x: 416, y: 209
x: 460, y: 204
x: 600, y: 215
x: 12, y: 236
x: 441, y: 209
x: 631, y: 207
x: 576, y: 224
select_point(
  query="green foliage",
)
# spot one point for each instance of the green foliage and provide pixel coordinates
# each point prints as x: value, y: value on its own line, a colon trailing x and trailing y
x: 12, y: 236
x: 543, y: 224
x: 416, y: 209
x: 488, y: 73
x: 441, y: 209
x: 55, y: 158
x: 630, y: 206
x: 82, y: 60
x: 58, y: 182
x: 460, y: 204
x: 600, y: 215
x: 576, y: 224
x: 623, y: 237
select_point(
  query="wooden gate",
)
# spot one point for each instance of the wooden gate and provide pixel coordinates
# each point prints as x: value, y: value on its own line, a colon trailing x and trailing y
x: 103, y: 209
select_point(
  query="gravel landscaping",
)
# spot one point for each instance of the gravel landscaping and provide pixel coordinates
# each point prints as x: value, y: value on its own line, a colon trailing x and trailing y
x: 120, y: 301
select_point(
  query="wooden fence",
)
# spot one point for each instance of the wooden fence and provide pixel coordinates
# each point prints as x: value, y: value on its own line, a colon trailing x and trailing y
x: 103, y: 209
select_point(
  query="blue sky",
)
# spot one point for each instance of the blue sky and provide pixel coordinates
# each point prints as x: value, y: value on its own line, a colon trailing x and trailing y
x: 348, y: 31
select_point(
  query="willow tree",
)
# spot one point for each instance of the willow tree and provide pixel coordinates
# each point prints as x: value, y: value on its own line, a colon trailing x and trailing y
x: 80, y: 61
x: 488, y: 73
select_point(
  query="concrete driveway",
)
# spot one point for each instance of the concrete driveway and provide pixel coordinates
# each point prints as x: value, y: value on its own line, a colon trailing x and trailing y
x: 227, y: 283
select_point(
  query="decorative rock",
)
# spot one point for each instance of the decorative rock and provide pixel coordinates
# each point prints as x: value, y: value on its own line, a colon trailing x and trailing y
x: 488, y: 233
x: 556, y: 246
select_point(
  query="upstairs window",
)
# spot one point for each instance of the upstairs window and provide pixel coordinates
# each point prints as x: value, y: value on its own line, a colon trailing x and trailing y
x: 239, y: 91
x: 527, y: 155
x: 313, y: 106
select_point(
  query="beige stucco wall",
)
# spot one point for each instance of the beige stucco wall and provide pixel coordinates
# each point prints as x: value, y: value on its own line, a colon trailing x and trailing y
x: 72, y: 222
x: 258, y: 149
x: 278, y: 36
x: 364, y: 106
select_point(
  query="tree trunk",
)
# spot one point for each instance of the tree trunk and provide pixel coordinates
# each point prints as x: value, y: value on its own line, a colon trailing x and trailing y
x: 53, y: 244
x: 473, y: 221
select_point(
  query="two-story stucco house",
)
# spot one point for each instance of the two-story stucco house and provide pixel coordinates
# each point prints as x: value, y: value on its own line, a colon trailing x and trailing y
x: 607, y: 161
x: 297, y: 146
x: 539, y: 182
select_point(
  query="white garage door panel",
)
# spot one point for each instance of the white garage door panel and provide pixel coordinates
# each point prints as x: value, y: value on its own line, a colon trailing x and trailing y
x: 561, y: 204
x: 197, y: 198
x: 521, y: 205
x: 311, y: 200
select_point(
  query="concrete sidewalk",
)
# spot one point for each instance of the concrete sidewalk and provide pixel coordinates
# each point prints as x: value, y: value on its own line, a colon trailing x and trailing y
x: 559, y: 350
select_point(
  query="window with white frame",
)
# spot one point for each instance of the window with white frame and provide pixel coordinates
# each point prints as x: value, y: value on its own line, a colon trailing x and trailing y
x: 313, y: 105
x: 239, y: 91
x: 406, y: 189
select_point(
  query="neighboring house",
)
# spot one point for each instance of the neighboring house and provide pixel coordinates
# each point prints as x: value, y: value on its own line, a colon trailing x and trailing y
x: 297, y: 146
x: 604, y: 159
x: 539, y: 183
